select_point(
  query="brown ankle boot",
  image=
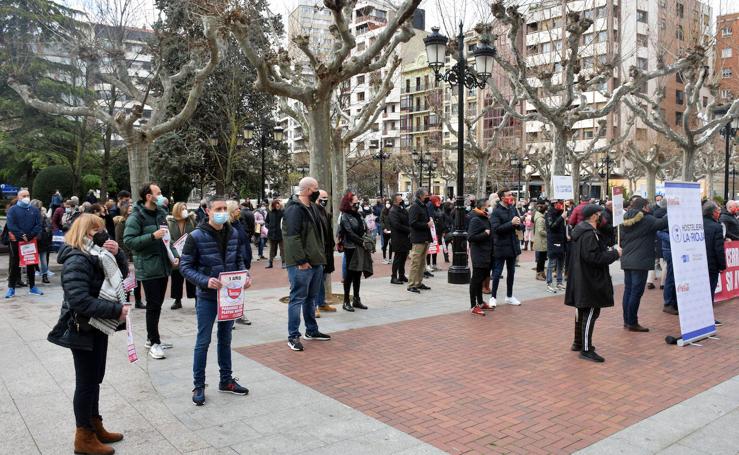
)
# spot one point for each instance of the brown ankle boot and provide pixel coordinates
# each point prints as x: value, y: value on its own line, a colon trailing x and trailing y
x: 85, y: 442
x: 104, y: 435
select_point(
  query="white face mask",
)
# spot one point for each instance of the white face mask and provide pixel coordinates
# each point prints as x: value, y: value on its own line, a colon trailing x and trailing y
x: 26, y: 200
x: 184, y: 214
x: 387, y: 205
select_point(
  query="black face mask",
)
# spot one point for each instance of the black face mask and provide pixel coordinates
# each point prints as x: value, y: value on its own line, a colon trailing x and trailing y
x: 100, y: 238
x: 323, y: 202
x: 425, y: 200
x: 355, y: 206
x: 314, y: 196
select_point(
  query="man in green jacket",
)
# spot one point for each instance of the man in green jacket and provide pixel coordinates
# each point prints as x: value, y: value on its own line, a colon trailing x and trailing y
x: 305, y: 235
x: 144, y: 235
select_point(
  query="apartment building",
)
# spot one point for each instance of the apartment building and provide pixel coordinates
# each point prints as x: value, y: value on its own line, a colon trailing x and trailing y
x: 726, y: 66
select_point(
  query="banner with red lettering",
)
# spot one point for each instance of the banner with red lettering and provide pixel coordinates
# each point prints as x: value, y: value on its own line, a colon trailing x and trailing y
x: 28, y: 253
x: 728, y: 283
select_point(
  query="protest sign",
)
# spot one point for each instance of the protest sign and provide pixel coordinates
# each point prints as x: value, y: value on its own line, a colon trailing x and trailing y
x: 434, y: 245
x: 28, y: 253
x: 562, y: 185
x: 180, y: 244
x: 231, y: 295
x: 618, y: 206
x: 132, y: 355
x: 728, y: 282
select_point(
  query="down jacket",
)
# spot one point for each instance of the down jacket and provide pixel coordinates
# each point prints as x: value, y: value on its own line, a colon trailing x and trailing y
x: 556, y: 233
x: 589, y: 283
x: 481, y: 242
x: 504, y: 232
x: 203, y: 258
x: 418, y: 217
x: 638, y: 232
x: 400, y: 229
x: 82, y: 278
x: 714, y: 237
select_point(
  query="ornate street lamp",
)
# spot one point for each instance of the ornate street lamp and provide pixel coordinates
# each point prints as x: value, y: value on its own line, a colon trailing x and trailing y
x: 460, y: 75
x: 277, y: 135
x: 728, y: 131
x: 381, y: 156
x: 420, y: 159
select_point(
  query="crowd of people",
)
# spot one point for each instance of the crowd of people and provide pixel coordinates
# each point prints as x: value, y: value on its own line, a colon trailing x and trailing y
x: 104, y: 242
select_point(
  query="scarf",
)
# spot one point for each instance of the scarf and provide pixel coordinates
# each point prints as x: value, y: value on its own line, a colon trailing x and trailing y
x: 112, y: 288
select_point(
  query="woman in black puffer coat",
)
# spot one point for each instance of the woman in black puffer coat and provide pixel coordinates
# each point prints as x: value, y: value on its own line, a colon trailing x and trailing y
x: 352, y: 229
x: 82, y: 279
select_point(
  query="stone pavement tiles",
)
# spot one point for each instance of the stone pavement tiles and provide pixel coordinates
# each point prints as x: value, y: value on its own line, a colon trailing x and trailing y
x: 508, y: 383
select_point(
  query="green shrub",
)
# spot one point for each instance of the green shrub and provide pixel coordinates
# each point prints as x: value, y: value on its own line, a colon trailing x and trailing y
x: 51, y: 179
x: 90, y: 182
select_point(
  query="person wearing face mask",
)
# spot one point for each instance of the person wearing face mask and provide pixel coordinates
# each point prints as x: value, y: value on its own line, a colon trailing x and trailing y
x: 274, y: 232
x: 386, y: 233
x: 539, y: 238
x: 590, y: 287
x: 56, y: 216
x: 211, y: 249
x: 305, y: 257
x: 504, y: 222
x: 556, y: 221
x: 180, y: 223
x: 481, y: 247
x: 353, y: 229
x: 329, y: 244
x: 420, y: 223
x: 400, y: 241
x: 43, y: 242
x: 714, y: 237
x: 92, y: 280
x: 144, y: 234
x: 729, y: 219
x: 23, y: 224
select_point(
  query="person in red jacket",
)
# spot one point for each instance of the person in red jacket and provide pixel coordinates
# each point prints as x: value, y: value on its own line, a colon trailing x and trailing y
x: 577, y: 215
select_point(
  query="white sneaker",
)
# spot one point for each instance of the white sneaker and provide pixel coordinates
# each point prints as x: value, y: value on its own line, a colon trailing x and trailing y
x: 156, y: 351
x: 512, y: 301
x: 50, y: 273
x: 429, y: 269
x: 164, y: 345
x: 492, y: 301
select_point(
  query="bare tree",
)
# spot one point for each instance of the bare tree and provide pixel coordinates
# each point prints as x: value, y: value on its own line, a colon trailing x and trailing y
x: 696, y: 128
x: 709, y: 162
x: 652, y: 162
x: 540, y: 160
x: 277, y: 75
x: 558, y: 94
x: 138, y: 136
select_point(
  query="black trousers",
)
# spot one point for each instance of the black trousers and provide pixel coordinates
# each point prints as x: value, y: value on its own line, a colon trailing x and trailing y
x: 541, y: 260
x: 398, y: 270
x: 15, y: 270
x: 478, y: 277
x: 353, y: 277
x: 584, y: 326
x: 386, y: 244
x: 176, y: 290
x: 510, y: 264
x: 89, y: 368
x: 155, y: 290
x: 431, y: 258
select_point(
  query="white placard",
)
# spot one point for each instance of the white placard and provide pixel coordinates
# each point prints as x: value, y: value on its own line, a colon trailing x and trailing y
x: 562, y: 185
x: 689, y: 261
x: 179, y: 245
x: 618, y: 206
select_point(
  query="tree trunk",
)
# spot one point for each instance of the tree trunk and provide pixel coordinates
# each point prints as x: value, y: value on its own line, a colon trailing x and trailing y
x: 319, y: 119
x: 105, y: 171
x: 688, y: 170
x: 481, y: 177
x: 559, y: 155
x: 138, y: 164
x: 575, y: 179
x: 651, y: 173
x: 709, y: 184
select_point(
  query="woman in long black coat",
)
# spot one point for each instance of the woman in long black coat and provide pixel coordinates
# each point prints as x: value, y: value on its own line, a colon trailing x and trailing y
x: 400, y: 229
x: 589, y: 286
x: 481, y: 251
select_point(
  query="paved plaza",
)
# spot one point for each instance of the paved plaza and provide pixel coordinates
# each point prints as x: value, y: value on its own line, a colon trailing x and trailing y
x: 415, y: 374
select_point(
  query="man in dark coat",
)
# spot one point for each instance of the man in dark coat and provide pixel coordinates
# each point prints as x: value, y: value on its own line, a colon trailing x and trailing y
x: 589, y: 287
x: 659, y: 210
x: 481, y: 250
x: 421, y: 223
x: 556, y: 239
x: 329, y: 244
x: 400, y: 230
x: 503, y: 223
x: 714, y: 237
x: 637, y: 240
x: 729, y: 220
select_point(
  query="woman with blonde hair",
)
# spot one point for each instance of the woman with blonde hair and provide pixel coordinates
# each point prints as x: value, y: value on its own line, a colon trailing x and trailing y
x: 93, y: 305
x: 180, y: 223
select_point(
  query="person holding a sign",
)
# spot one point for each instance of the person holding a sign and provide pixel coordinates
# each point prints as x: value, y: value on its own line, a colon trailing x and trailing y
x: 145, y: 234
x: 180, y: 224
x: 590, y: 287
x: 504, y: 223
x: 24, y: 226
x: 83, y: 278
x: 211, y: 250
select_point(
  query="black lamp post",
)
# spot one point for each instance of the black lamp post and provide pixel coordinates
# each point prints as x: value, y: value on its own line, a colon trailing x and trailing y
x: 520, y: 165
x: 607, y: 161
x: 460, y: 75
x: 381, y: 156
x: 728, y: 131
x: 277, y: 135
x: 420, y: 159
x: 733, y: 182
x: 431, y: 166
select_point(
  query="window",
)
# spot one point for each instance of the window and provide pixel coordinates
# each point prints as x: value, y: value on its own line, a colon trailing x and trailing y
x: 588, y: 134
x: 642, y: 16
x: 726, y: 94
x: 726, y: 73
x: 679, y: 34
x: 641, y: 134
x: 587, y: 63
x: 587, y: 38
x: 680, y: 9
x: 602, y: 36
x: 588, y: 13
x: 360, y: 96
x: 678, y: 118
x: 642, y: 63
x: 642, y: 40
x: 705, y: 101
x: 726, y: 31
x: 600, y: 11
x: 360, y: 80
x: 726, y: 52
x: 679, y: 97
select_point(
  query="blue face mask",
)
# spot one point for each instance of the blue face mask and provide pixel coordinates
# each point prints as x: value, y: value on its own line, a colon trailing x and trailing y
x: 220, y: 217
x: 160, y: 200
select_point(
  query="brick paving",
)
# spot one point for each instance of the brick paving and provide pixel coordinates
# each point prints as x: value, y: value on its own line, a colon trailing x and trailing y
x: 507, y: 383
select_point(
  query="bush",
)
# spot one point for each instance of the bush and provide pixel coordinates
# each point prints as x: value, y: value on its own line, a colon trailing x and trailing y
x: 90, y: 182
x: 51, y: 179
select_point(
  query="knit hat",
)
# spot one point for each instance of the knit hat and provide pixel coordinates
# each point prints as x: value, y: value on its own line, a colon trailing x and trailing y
x: 591, y: 209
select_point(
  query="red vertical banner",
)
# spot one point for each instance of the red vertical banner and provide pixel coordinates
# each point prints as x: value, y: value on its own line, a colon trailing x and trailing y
x: 728, y: 283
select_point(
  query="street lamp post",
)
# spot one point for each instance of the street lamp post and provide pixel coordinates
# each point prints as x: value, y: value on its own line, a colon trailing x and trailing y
x: 420, y: 159
x: 733, y: 182
x: 432, y: 166
x: 277, y: 135
x: 461, y: 75
x: 381, y: 156
x: 729, y: 131
x: 607, y: 161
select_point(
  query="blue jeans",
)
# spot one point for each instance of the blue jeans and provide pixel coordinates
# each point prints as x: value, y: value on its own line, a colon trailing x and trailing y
x: 498, y: 272
x: 260, y: 246
x: 304, y: 287
x: 559, y: 263
x: 44, y: 265
x: 635, y: 281
x: 206, y: 312
x: 321, y: 296
x: 343, y: 266
x: 668, y: 293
